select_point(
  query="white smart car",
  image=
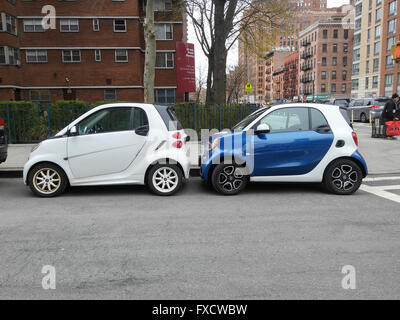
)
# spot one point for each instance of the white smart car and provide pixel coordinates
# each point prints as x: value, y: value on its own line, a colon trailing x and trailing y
x: 121, y: 143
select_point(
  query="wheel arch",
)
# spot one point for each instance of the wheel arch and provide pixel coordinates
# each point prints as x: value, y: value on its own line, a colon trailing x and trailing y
x: 221, y: 160
x: 163, y: 161
x: 44, y: 162
x: 358, y: 162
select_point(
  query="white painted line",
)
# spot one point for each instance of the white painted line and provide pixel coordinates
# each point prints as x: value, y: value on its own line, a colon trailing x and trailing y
x: 381, y: 179
x: 381, y: 193
x: 394, y: 187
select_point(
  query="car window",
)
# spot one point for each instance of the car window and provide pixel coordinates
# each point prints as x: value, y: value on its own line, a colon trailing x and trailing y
x: 341, y: 102
x: 318, y: 120
x: 169, y: 117
x: 106, y: 120
x: 352, y: 103
x: 359, y: 103
x: 381, y: 102
x: 249, y: 119
x: 287, y: 119
x: 139, y: 118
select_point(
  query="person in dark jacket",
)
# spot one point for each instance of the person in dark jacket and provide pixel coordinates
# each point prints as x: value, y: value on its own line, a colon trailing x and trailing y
x: 390, y: 109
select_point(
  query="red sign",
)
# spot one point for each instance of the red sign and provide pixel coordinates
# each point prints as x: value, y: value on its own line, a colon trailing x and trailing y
x: 185, y: 71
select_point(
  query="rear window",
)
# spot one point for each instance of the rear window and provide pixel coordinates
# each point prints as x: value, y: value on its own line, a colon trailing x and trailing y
x: 342, y: 103
x: 169, y: 117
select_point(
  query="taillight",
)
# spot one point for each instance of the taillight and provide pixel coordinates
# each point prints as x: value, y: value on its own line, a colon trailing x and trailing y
x: 177, y: 135
x: 177, y: 144
x: 355, y: 138
x: 2, y: 123
x: 374, y: 107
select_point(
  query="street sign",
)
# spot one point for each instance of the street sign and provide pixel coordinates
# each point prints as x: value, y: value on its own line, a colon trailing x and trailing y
x: 396, y: 52
x: 248, y: 87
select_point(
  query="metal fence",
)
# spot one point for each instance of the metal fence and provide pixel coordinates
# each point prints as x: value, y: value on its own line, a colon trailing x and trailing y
x: 28, y: 122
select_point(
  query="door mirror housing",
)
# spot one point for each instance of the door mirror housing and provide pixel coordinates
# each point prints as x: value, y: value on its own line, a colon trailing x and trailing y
x: 262, y: 128
x: 73, y: 131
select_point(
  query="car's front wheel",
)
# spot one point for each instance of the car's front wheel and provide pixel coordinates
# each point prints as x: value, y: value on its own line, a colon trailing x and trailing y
x: 229, y: 179
x: 343, y: 176
x: 47, y: 180
x: 165, y: 179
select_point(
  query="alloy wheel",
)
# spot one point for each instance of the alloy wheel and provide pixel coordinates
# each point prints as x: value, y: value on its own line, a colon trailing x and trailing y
x: 230, y: 178
x: 344, y: 177
x: 165, y: 179
x: 47, y: 180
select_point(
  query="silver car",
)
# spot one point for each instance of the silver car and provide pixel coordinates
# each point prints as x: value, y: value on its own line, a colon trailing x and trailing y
x: 365, y: 108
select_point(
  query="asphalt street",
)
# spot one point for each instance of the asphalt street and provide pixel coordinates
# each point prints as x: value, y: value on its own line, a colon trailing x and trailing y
x: 285, y: 241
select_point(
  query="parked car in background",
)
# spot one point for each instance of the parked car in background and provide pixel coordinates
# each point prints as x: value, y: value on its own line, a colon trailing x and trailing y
x: 3, y: 142
x: 362, y: 109
x: 286, y: 143
x: 338, y: 102
x: 119, y: 143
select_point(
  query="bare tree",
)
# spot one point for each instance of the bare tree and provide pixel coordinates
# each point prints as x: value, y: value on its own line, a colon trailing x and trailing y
x: 219, y: 23
x: 200, y: 83
x: 150, y: 53
x: 235, y: 82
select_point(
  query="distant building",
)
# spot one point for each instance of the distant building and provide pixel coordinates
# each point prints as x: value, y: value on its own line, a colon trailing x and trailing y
x: 326, y: 58
x: 95, y: 53
x: 291, y: 76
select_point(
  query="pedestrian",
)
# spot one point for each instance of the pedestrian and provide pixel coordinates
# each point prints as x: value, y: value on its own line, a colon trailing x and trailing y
x: 390, y: 111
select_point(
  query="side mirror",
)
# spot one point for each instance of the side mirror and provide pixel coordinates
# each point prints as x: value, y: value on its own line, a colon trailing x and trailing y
x: 73, y: 131
x: 262, y: 128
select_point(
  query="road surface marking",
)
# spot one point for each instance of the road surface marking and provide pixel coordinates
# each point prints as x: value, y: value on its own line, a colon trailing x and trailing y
x: 381, y: 179
x: 381, y: 192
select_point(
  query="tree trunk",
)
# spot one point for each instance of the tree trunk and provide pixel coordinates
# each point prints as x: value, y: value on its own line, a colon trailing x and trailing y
x: 150, y: 54
x: 210, y: 93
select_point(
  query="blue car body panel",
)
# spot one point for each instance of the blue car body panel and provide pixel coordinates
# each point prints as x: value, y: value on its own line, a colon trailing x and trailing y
x: 286, y: 153
x: 359, y: 157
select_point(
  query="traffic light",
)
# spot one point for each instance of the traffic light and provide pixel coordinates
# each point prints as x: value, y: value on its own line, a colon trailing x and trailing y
x: 396, y: 52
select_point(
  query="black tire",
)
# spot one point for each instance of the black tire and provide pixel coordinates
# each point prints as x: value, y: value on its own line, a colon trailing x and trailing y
x: 172, y: 184
x: 343, y: 176
x: 363, y: 118
x: 47, y: 176
x: 229, y: 179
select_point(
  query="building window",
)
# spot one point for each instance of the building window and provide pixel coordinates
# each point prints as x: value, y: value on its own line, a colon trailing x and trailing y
x: 164, y: 95
x: 377, y: 32
x: 356, y: 68
x: 8, y: 23
x: 376, y: 65
x: 345, y: 47
x: 344, y: 87
x: 323, y: 88
x: 323, y: 62
x: 354, y: 84
x: 392, y: 8
x: 366, y: 83
x: 333, y: 75
x: 163, y: 5
x: 36, y: 56
x: 334, y: 61
x: 69, y: 25
x: 390, y: 41
x: 357, y: 39
x: 42, y: 96
x: 110, y: 94
x: 97, y: 55
x: 334, y: 47
x: 324, y: 48
x: 389, y: 62
x: 378, y: 15
x: 121, y: 55
x: 344, y: 75
x: 323, y: 75
x: 71, y: 56
x: 33, y: 25
x: 96, y: 25
x: 119, y: 25
x: 335, y: 33
x: 163, y: 31
x: 392, y: 26
x: 377, y: 47
x: 9, y: 56
x: 165, y: 60
x: 367, y: 67
x: 333, y: 87
x: 346, y: 34
x: 375, y: 81
x: 344, y: 61
x: 388, y: 84
x: 356, y: 54
x: 325, y: 34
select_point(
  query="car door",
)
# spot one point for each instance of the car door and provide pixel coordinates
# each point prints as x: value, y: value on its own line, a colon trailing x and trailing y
x: 355, y: 110
x: 106, y: 141
x: 299, y: 139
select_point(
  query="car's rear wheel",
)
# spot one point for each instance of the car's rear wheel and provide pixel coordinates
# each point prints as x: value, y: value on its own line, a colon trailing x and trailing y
x: 229, y: 179
x: 363, y: 118
x: 165, y: 179
x: 47, y: 180
x: 343, y: 176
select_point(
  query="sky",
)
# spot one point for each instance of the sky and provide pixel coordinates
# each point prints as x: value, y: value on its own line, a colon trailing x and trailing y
x: 201, y: 60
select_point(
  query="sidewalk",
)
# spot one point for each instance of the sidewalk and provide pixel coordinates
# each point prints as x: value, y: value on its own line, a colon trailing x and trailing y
x: 382, y: 155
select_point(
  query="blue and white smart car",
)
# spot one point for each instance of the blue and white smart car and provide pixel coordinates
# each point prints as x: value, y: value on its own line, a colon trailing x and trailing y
x: 286, y: 143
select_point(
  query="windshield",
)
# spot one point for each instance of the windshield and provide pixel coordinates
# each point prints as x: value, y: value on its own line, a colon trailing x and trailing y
x: 249, y: 119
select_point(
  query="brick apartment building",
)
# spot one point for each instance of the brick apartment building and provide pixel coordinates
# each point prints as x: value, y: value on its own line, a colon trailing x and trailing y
x: 95, y: 53
x: 291, y: 76
x: 326, y: 58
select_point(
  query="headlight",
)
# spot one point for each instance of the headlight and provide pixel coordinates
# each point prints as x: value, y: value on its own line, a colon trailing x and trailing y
x: 35, y: 147
x: 214, y: 144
